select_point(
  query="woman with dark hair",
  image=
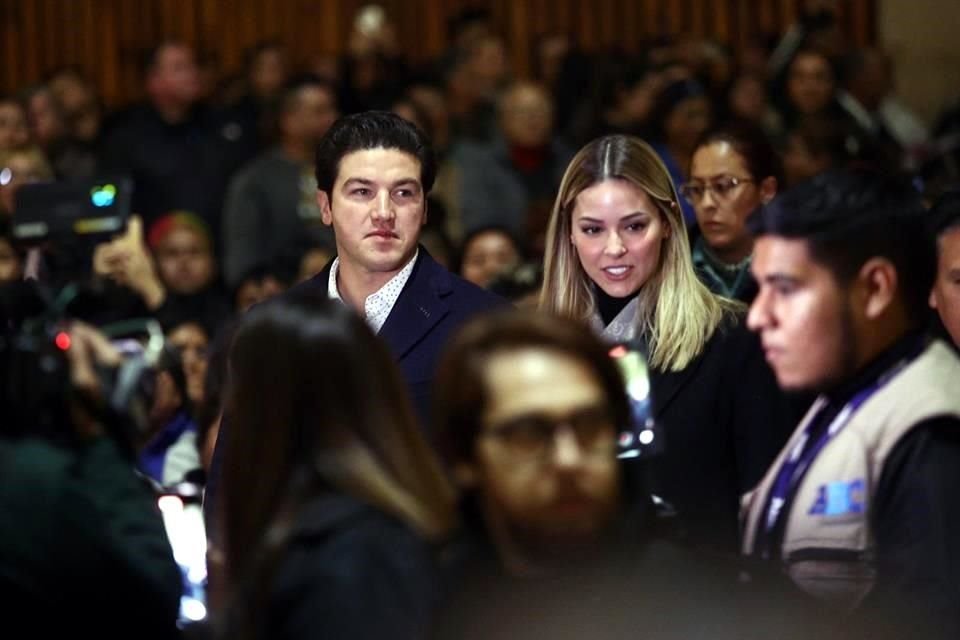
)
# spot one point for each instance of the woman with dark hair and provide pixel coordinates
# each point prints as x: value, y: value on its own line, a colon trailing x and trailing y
x: 618, y: 259
x: 331, y: 496
x: 734, y: 170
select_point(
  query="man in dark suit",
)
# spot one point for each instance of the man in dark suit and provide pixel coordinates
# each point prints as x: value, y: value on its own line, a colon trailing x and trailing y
x: 374, y: 171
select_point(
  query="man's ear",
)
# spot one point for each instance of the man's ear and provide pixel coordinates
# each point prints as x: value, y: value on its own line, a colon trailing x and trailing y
x: 323, y: 202
x: 425, y: 210
x: 932, y: 300
x: 768, y: 189
x: 879, y: 285
x: 465, y: 475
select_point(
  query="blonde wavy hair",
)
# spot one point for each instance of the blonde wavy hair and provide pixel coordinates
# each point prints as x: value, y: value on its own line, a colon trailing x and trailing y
x: 678, y: 314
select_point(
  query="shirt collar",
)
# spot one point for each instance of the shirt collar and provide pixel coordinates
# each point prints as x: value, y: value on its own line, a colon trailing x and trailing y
x: 379, y: 304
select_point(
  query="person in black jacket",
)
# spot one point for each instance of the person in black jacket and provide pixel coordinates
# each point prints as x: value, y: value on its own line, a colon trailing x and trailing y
x: 83, y: 549
x: 331, y: 499
x: 618, y: 259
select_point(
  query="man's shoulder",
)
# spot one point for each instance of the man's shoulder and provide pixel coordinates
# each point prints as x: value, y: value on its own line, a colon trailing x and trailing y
x: 459, y: 294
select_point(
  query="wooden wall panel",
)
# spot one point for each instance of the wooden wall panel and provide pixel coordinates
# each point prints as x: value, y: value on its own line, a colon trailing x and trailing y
x: 104, y: 37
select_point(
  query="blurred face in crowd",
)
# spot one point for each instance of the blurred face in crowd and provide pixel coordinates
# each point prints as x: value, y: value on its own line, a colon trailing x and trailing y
x: 268, y: 72
x: 748, y: 98
x: 800, y: 163
x: 618, y: 233
x: 255, y: 290
x: 545, y: 460
x: 20, y: 168
x: 312, y: 113
x: 13, y: 126
x: 191, y: 341
x: 486, y: 255
x: 805, y: 318
x: 313, y: 262
x: 175, y: 77
x: 46, y: 120
x: 80, y: 108
x: 184, y: 261
x: 526, y: 116
x: 724, y: 194
x: 377, y: 208
x: 945, y: 297
x: 686, y: 122
x: 488, y: 63
x: 637, y: 102
x: 434, y: 104
x: 10, y: 263
x: 810, y: 83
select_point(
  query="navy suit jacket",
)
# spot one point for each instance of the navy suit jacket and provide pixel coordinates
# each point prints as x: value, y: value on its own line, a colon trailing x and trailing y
x: 433, y: 304
x: 431, y: 307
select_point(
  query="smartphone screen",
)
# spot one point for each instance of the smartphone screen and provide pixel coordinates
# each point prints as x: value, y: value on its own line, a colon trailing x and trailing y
x: 183, y: 520
x: 642, y: 437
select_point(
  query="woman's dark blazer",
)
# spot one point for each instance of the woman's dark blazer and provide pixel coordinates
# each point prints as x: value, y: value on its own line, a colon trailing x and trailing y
x: 723, y: 419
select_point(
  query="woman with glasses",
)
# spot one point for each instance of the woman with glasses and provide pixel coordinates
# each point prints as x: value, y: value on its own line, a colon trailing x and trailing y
x: 618, y: 259
x: 734, y: 170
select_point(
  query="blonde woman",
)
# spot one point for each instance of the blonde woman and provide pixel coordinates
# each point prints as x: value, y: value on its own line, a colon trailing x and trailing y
x: 618, y: 258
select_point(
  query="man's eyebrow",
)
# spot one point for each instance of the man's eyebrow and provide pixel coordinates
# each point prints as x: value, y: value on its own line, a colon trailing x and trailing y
x: 779, y: 278
x: 369, y: 183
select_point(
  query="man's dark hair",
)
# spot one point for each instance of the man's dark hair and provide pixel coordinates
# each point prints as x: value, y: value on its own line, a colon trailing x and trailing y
x: 848, y: 217
x: 945, y: 213
x: 372, y: 130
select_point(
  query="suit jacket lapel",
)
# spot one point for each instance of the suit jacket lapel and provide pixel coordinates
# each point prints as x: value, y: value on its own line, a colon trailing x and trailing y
x: 420, y: 306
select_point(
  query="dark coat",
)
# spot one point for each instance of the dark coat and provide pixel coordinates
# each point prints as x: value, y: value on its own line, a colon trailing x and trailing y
x: 724, y: 420
x: 351, y: 571
x: 433, y: 305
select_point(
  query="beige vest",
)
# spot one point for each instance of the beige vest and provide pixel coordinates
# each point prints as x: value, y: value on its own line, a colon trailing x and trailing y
x: 828, y: 548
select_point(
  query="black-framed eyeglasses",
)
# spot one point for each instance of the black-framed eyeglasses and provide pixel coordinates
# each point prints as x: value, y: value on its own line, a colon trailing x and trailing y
x: 532, y: 436
x: 722, y: 189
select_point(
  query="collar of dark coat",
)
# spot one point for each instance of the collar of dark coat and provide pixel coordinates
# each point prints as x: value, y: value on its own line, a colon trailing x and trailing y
x: 420, y: 306
x: 665, y: 385
x: 327, y: 513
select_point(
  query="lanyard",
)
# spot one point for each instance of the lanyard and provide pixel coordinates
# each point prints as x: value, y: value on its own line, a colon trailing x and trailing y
x: 801, y: 456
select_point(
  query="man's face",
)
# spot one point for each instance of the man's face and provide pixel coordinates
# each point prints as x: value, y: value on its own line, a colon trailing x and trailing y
x: 184, y: 261
x: 175, y: 74
x: 945, y: 297
x: 803, y: 316
x: 545, y: 459
x: 313, y: 114
x: 527, y: 117
x: 376, y: 208
x: 810, y: 83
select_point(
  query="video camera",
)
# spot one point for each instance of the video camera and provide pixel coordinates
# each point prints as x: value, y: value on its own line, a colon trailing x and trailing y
x: 61, y: 223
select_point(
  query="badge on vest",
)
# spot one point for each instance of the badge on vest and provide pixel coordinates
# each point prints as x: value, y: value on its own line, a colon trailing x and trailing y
x: 840, y: 499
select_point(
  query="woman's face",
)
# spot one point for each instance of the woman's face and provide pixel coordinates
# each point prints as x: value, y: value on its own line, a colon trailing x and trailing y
x: 618, y: 233
x: 486, y: 256
x: 687, y: 122
x: 727, y: 195
x: 13, y: 126
x: 191, y: 341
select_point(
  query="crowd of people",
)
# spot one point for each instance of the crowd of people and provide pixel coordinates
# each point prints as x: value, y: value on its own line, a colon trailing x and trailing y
x: 389, y: 296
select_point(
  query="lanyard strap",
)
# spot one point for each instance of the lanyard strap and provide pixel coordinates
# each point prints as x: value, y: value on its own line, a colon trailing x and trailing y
x: 801, y: 456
